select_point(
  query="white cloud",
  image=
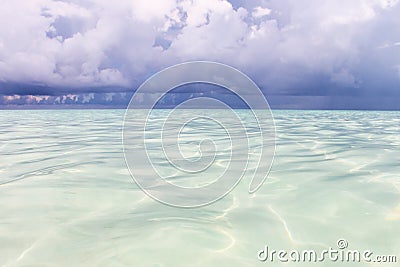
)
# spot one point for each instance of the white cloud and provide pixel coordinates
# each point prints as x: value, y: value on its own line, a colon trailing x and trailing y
x: 259, y: 12
x: 146, y: 11
x: 213, y: 30
x: 119, y: 43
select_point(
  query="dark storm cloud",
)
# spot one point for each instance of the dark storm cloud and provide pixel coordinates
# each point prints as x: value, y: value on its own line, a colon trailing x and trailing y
x: 15, y: 88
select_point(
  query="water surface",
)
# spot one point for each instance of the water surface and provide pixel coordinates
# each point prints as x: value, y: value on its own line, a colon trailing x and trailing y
x: 67, y: 199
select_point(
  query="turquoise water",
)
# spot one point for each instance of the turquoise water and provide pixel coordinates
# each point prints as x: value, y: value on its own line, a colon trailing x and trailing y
x: 67, y: 199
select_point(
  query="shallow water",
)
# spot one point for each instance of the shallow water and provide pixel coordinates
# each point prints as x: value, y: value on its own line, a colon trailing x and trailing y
x: 67, y: 199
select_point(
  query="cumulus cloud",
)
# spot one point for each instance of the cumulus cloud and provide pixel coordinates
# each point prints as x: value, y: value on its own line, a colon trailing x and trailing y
x: 297, y: 48
x: 259, y: 12
x: 81, y: 100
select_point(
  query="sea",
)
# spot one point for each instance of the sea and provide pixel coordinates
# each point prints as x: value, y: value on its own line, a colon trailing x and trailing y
x: 67, y: 197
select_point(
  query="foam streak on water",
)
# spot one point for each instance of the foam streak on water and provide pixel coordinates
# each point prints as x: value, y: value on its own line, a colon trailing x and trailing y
x: 66, y: 197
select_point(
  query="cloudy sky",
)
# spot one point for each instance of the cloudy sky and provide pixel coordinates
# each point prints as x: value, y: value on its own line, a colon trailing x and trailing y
x: 302, y: 54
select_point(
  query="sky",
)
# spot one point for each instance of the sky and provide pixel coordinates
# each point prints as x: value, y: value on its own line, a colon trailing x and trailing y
x: 331, y: 54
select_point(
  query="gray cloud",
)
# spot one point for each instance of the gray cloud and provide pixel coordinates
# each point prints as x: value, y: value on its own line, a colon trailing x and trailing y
x: 308, y: 48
